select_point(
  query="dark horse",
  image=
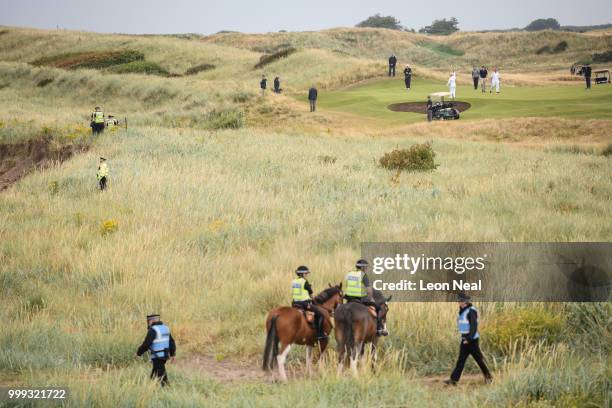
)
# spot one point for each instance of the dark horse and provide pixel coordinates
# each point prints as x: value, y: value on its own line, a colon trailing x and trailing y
x: 289, y: 326
x: 356, y: 326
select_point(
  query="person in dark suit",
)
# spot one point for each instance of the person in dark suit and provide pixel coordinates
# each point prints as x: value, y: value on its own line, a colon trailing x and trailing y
x: 587, y: 71
x: 263, y: 84
x: 312, y: 98
x: 407, y: 76
x: 392, y: 63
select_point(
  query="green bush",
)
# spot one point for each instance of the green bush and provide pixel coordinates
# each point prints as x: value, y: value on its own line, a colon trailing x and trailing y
x: 270, y: 58
x: 603, y: 57
x: 547, y: 49
x: 140, y: 67
x: 523, y: 326
x: 225, y: 119
x: 419, y: 157
x: 607, y: 151
x: 90, y: 59
x: 199, y: 68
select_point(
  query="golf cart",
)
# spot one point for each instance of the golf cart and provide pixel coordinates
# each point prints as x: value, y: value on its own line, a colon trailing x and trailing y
x: 441, y: 110
x: 602, y: 76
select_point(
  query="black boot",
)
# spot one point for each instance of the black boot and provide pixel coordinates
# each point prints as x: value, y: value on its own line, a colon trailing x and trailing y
x: 380, y: 328
x: 319, y: 328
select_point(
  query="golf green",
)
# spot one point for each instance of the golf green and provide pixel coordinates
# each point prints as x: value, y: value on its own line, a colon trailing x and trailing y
x: 567, y: 101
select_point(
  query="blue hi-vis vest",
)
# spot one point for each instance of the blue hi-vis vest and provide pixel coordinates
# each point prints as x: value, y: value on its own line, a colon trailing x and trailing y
x: 161, y: 344
x: 463, y: 324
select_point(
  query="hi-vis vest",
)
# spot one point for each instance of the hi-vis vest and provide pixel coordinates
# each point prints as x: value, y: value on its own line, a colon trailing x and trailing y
x: 102, y: 171
x: 463, y: 324
x: 354, y: 284
x: 161, y: 344
x: 98, y: 117
x: 297, y: 290
x: 110, y: 123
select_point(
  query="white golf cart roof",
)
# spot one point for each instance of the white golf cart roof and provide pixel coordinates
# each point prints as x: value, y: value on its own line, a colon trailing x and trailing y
x: 440, y: 94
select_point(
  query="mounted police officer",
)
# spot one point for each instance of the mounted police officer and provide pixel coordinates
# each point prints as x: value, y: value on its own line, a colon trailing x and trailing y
x: 358, y: 289
x: 467, y: 324
x: 97, y: 121
x: 301, y: 292
x: 160, y: 344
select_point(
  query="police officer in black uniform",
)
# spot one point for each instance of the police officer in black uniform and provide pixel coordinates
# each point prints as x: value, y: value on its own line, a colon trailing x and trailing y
x: 302, y: 299
x: 160, y: 344
x: 467, y: 324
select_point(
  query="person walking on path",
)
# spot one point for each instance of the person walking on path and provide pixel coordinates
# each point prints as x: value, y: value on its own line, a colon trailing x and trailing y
x: 392, y: 63
x: 102, y: 173
x: 407, y: 76
x: 312, y: 98
x: 452, y: 84
x: 483, y: 78
x: 475, y: 77
x: 587, y: 71
x: 495, y: 81
x: 263, y: 84
x: 467, y: 324
x: 161, y: 345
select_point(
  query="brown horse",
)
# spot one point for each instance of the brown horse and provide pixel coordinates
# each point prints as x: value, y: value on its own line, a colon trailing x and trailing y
x: 289, y: 326
x: 355, y: 326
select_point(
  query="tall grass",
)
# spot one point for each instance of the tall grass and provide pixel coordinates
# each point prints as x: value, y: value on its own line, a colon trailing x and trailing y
x: 212, y: 221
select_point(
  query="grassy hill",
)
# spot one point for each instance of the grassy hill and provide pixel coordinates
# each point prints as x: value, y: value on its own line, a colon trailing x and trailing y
x: 216, y: 194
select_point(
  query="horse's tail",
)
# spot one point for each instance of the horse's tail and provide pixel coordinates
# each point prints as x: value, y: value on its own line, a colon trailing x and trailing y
x: 271, y: 348
x: 347, y: 330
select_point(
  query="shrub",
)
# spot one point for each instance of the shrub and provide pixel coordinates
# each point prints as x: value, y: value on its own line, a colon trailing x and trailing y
x: 326, y: 159
x: 199, y: 68
x: 140, y: 67
x: 523, y: 325
x: 90, y: 59
x: 44, y: 82
x: 270, y: 58
x: 419, y: 157
x: 607, y: 151
x: 559, y: 48
x: 225, y: 119
x: 603, y: 57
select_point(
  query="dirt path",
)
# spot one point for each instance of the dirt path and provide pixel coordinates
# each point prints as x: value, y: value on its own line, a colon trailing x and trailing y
x: 223, y: 370
x: 227, y: 371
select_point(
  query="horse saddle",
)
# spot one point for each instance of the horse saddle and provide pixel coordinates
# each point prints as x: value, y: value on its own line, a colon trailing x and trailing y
x: 310, y: 317
x: 372, y: 311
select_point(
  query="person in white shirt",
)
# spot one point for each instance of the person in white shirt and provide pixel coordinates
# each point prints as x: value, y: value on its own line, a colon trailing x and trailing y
x: 452, y: 84
x: 495, y: 81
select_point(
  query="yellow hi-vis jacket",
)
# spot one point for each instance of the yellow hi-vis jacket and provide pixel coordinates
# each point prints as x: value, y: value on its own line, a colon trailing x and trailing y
x: 298, y: 291
x: 354, y: 284
x: 98, y: 117
x: 102, y: 171
x: 111, y: 123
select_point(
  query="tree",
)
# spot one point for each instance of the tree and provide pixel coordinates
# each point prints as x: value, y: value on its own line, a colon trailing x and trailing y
x: 442, y: 27
x: 378, y: 21
x: 543, y: 24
